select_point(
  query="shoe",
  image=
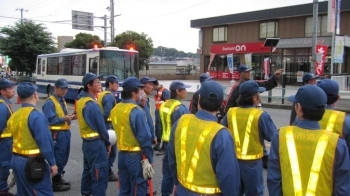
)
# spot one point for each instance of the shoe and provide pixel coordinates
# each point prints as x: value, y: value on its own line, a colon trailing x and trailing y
x: 160, y: 152
x: 112, y: 177
x: 265, y: 160
x: 64, y: 182
x: 58, y: 187
x: 157, y: 147
x: 6, y: 193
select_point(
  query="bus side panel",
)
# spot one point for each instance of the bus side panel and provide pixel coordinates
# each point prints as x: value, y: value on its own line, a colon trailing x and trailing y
x: 42, y: 88
x: 72, y: 94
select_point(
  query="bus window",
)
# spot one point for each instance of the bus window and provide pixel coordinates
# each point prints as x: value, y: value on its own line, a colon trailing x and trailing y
x: 38, y: 71
x: 93, y: 65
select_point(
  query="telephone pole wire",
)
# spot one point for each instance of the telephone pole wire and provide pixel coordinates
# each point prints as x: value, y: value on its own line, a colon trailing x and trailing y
x: 22, y: 10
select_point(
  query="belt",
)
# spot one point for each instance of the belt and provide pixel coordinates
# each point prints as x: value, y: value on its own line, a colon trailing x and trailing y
x: 215, y: 194
x: 27, y: 156
x: 92, y: 138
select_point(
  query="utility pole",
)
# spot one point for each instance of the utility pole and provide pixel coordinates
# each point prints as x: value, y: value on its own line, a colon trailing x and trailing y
x: 21, y: 9
x: 314, y: 35
x: 105, y: 28
x: 112, y: 20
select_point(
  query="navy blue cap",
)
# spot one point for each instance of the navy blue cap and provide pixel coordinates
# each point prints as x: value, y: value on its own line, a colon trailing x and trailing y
x: 113, y: 78
x: 212, y: 90
x: 244, y: 68
x: 177, y: 84
x: 329, y: 86
x: 309, y: 76
x: 26, y: 89
x: 5, y: 83
x: 204, y: 77
x: 90, y: 76
x: 250, y: 87
x: 61, y: 83
x: 310, y: 96
x: 131, y: 83
x: 146, y: 79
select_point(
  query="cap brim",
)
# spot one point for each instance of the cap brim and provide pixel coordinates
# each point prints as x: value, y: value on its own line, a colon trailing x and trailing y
x: 291, y: 98
x: 35, y: 87
x: 187, y: 86
x: 63, y: 86
x: 247, y: 70
x: 141, y: 85
x: 262, y: 89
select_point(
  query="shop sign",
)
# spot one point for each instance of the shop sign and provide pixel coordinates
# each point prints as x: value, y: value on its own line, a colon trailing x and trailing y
x: 224, y: 75
x: 303, y: 42
x: 242, y: 48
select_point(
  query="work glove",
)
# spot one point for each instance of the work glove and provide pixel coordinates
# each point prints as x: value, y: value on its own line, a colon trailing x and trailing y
x: 11, y: 181
x: 147, y: 169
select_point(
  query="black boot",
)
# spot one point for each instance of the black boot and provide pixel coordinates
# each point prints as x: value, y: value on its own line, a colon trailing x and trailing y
x: 112, y: 176
x: 57, y: 184
x: 157, y: 147
x: 265, y: 160
x: 63, y: 181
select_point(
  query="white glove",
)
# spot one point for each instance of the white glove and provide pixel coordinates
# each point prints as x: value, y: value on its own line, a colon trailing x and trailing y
x: 147, y: 169
x: 11, y: 181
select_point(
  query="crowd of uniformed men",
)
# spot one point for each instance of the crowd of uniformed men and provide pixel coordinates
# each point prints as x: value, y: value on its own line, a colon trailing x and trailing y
x: 212, y: 149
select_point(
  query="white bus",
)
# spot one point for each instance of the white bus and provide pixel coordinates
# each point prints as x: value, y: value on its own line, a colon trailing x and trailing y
x: 73, y: 64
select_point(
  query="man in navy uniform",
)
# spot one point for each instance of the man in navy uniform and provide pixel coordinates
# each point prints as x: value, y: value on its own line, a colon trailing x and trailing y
x: 170, y: 111
x: 162, y: 94
x: 333, y: 120
x: 7, y: 91
x: 55, y: 110
x: 308, y: 78
x: 106, y: 101
x: 304, y: 158
x: 31, y: 141
x: 96, y: 145
x: 194, y: 102
x: 134, y: 139
x: 202, y: 157
x: 249, y: 127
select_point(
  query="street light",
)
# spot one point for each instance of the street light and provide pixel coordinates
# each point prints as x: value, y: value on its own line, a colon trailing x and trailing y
x: 271, y: 42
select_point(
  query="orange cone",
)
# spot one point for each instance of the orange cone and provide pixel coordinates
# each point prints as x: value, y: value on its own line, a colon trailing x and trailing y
x: 18, y: 100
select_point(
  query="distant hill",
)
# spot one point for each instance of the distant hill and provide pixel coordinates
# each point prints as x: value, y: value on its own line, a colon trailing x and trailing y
x: 172, y: 53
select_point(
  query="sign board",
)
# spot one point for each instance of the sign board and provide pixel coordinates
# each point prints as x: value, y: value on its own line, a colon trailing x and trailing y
x: 82, y: 20
x: 303, y: 42
x: 331, y: 14
x: 230, y: 62
x: 338, y: 54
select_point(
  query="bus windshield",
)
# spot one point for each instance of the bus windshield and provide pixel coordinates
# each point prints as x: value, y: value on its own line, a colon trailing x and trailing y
x: 119, y: 63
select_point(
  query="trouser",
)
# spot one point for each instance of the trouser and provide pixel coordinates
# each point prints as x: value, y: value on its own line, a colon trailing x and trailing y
x: 112, y: 155
x: 251, y: 177
x: 61, y: 143
x: 95, y: 175
x: 158, y: 125
x: 167, y: 181
x: 130, y: 174
x: 5, y: 162
x: 25, y: 188
x: 264, y: 148
x: 180, y: 190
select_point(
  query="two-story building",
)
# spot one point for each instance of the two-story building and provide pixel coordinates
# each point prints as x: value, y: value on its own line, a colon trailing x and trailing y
x: 245, y: 33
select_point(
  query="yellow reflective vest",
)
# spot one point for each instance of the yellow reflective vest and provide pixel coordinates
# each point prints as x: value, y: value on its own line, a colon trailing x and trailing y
x: 23, y: 141
x: 306, y: 159
x: 121, y: 119
x: 100, y: 104
x: 333, y: 121
x: 85, y: 130
x: 60, y: 114
x: 165, y: 112
x: 243, y: 125
x: 193, y: 138
x: 6, y: 133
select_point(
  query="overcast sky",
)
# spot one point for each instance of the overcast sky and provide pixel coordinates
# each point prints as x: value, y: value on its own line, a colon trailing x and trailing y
x: 167, y: 22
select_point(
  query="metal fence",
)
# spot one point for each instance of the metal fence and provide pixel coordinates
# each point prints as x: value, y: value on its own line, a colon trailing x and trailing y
x: 343, y: 82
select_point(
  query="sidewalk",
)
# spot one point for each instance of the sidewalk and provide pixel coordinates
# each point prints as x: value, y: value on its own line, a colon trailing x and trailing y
x: 276, y: 99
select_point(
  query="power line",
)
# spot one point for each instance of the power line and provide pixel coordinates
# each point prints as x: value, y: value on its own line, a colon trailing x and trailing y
x: 21, y: 9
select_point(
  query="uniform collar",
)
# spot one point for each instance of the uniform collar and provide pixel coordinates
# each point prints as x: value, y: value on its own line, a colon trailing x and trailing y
x: 128, y: 101
x: 307, y: 124
x: 88, y: 95
x: 204, y: 115
x: 27, y: 105
x: 329, y: 106
x: 7, y: 101
x: 59, y: 98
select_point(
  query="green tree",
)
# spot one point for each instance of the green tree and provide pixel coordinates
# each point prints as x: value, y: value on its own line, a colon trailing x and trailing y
x: 23, y: 42
x: 140, y: 42
x: 84, y: 41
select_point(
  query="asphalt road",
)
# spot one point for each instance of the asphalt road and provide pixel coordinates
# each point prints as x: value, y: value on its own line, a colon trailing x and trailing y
x: 74, y: 167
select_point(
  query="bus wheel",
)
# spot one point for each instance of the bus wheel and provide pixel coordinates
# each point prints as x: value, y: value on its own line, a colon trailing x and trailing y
x: 49, y: 91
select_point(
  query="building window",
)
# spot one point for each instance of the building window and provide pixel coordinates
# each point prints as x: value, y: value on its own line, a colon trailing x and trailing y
x: 220, y: 34
x: 321, y: 26
x: 268, y: 29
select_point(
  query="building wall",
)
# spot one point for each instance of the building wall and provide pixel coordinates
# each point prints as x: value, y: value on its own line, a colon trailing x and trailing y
x: 293, y: 27
x: 62, y: 40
